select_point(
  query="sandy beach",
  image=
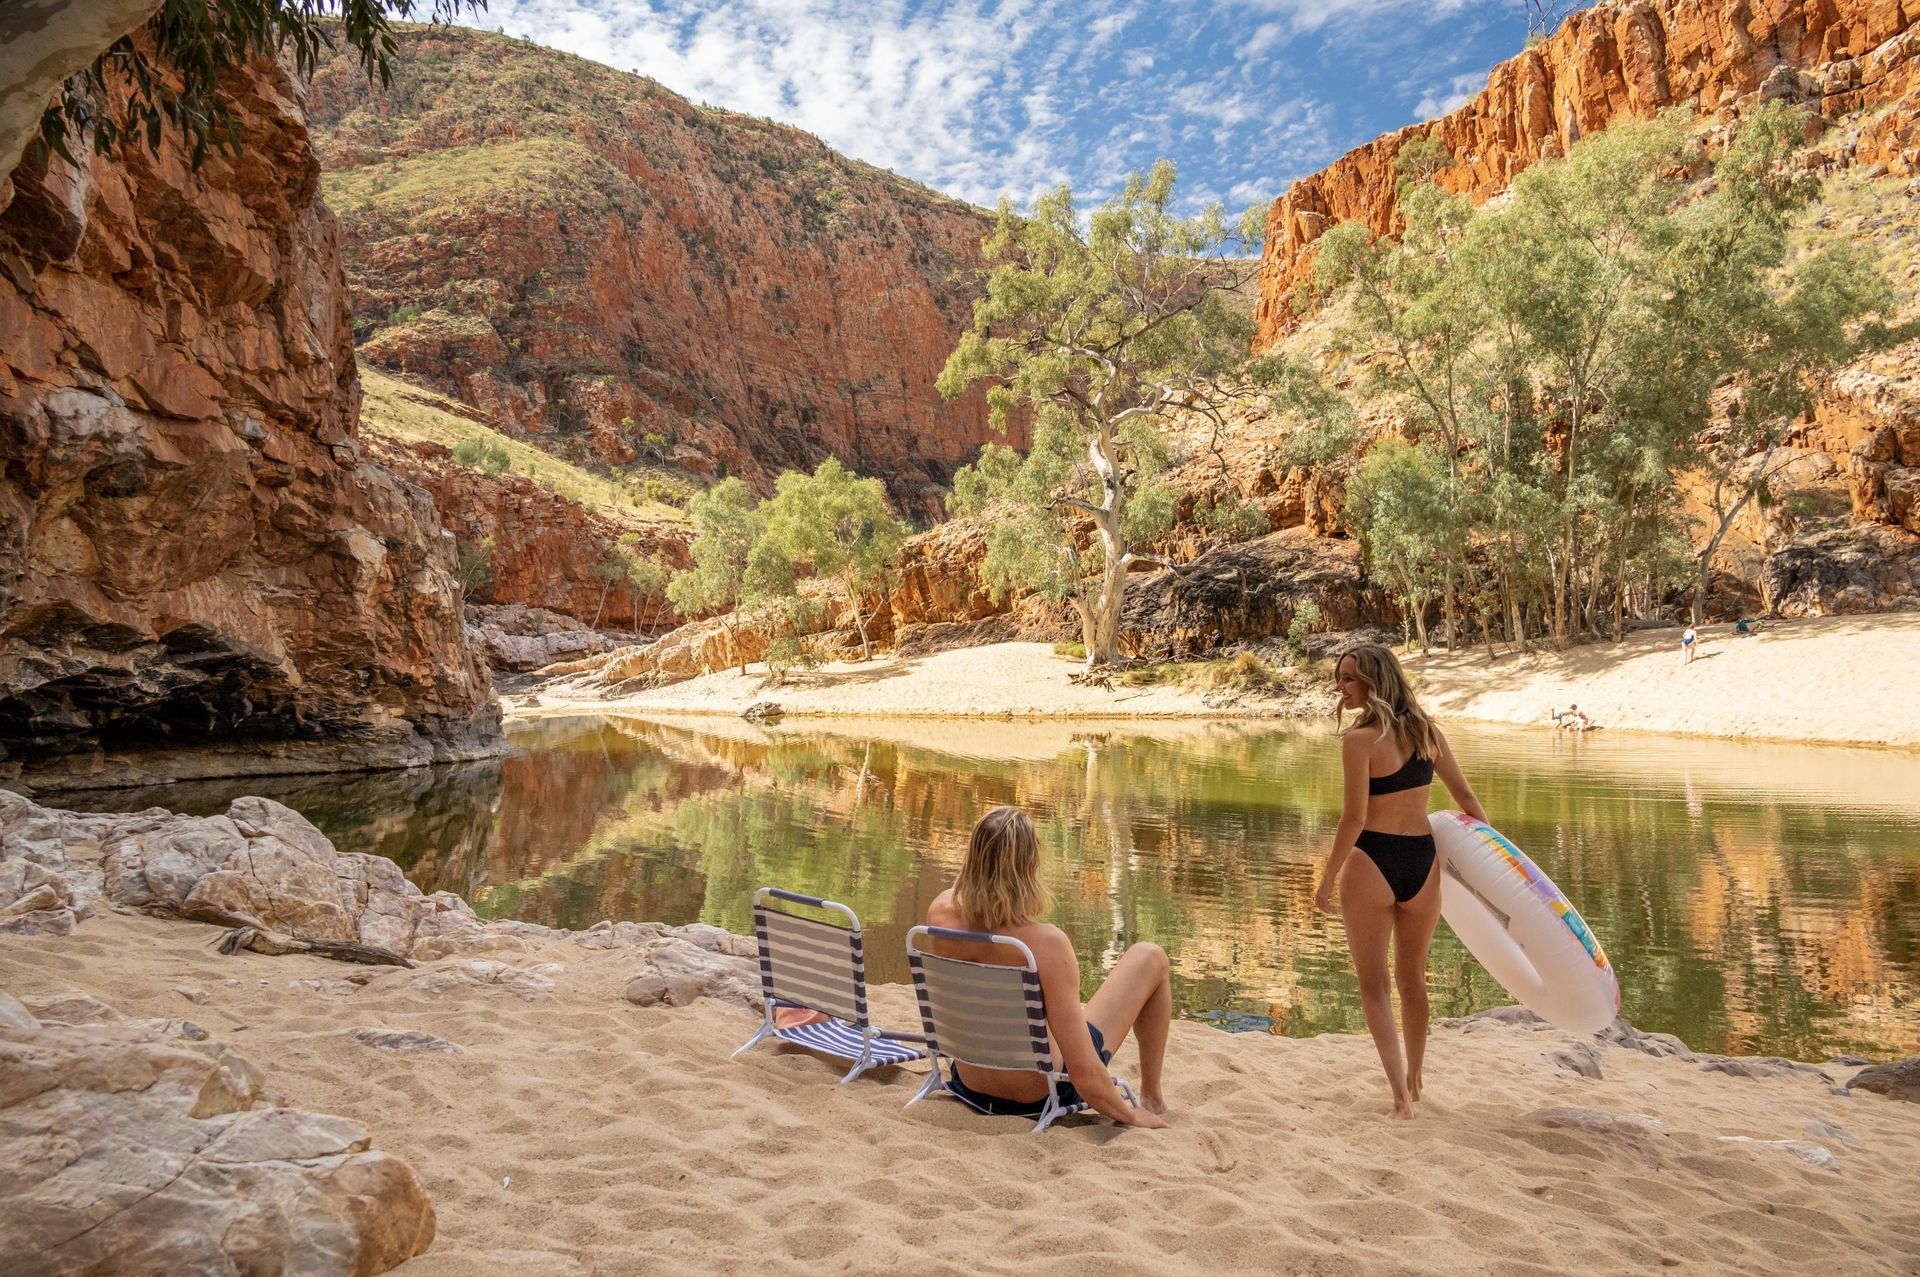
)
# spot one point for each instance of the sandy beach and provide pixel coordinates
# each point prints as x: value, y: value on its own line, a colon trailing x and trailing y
x: 580, y: 1134
x: 1843, y: 680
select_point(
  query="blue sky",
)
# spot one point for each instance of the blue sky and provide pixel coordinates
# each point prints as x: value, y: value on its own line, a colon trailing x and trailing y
x: 978, y: 98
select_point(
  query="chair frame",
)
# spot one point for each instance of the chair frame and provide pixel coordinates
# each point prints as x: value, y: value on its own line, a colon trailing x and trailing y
x: 1043, y: 1061
x: 868, y: 1033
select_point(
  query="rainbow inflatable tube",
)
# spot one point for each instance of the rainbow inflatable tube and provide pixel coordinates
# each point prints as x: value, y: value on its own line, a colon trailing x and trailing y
x: 1521, y: 928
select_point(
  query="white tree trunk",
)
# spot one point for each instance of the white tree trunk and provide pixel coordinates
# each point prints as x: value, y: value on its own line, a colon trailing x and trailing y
x: 42, y: 42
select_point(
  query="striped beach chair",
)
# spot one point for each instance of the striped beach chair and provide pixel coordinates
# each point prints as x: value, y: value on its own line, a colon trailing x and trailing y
x: 820, y: 966
x: 991, y: 1017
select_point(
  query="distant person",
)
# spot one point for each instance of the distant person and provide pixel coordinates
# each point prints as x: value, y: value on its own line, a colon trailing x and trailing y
x: 998, y: 889
x: 1688, y: 641
x: 1390, y: 893
x: 1577, y: 720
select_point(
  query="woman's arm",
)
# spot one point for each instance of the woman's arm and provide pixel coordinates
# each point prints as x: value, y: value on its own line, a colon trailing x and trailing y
x: 1066, y: 1018
x: 1456, y: 780
x: 1354, y: 748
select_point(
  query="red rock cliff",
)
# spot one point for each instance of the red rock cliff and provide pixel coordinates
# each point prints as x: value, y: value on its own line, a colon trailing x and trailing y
x: 1619, y: 59
x: 199, y: 571
x: 596, y: 260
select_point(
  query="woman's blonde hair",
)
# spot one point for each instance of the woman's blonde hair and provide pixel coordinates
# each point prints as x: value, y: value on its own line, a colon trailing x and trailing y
x: 999, y: 883
x: 1390, y: 702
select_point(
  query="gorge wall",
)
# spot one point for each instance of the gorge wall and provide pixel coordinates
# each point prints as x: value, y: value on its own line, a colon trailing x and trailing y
x: 633, y: 280
x: 200, y: 572
x: 1619, y: 59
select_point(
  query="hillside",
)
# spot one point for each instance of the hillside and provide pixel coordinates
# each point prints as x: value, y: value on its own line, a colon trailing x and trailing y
x: 531, y: 528
x: 629, y: 279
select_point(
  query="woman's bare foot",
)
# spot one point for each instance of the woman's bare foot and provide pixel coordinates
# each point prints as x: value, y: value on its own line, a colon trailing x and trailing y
x: 1402, y: 1110
x: 1413, y: 1087
x: 1153, y: 1103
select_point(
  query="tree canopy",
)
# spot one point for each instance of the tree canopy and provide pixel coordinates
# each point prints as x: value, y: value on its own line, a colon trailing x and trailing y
x: 169, y: 73
x: 1102, y: 333
x: 1556, y: 359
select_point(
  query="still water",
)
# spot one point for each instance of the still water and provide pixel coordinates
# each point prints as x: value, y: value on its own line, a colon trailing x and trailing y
x: 1754, y: 898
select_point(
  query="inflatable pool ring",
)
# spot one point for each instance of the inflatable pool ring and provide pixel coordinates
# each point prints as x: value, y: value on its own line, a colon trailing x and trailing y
x: 1521, y: 928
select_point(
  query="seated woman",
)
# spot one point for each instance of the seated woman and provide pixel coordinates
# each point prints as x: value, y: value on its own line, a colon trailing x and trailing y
x: 999, y: 890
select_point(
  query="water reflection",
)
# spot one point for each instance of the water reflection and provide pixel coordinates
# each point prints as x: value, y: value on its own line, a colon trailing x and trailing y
x: 1756, y: 898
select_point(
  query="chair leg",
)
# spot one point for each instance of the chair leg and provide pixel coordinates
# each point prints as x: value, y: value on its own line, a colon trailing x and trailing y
x: 933, y: 1085
x: 862, y: 1064
x: 756, y: 1039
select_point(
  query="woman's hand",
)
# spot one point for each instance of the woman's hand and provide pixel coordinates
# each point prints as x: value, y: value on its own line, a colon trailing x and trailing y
x: 1147, y: 1119
x: 1323, y: 896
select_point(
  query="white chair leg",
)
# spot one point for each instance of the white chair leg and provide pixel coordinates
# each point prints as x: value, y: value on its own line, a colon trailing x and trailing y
x: 930, y: 1086
x: 862, y: 1064
x: 755, y: 1040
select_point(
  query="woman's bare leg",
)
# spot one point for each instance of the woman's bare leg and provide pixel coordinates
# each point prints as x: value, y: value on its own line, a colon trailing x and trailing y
x: 1137, y: 995
x: 1413, y: 924
x: 1366, y: 905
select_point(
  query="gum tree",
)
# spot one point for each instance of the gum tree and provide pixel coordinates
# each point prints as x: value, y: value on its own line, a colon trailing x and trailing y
x: 1100, y: 333
x: 836, y: 524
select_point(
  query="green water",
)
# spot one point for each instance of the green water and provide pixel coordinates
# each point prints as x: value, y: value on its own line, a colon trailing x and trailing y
x: 1753, y: 898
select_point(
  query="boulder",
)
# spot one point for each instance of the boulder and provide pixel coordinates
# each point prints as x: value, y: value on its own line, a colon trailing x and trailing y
x: 1899, y: 1080
x: 461, y: 975
x: 405, y: 1041
x: 132, y: 1148
x: 1658, y: 1045
x: 1578, y: 1058
x: 678, y: 972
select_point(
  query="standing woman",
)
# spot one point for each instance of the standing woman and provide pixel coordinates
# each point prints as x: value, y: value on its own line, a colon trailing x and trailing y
x: 1390, y: 893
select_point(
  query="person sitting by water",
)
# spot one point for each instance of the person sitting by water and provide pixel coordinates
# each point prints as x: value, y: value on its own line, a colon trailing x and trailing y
x: 1390, y: 894
x: 999, y: 890
x: 1577, y: 719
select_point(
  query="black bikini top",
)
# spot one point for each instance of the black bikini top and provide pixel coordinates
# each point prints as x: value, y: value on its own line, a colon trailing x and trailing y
x: 1413, y: 773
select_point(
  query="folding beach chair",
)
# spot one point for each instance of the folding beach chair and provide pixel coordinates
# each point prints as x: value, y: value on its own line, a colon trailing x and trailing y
x: 819, y: 966
x: 991, y: 1017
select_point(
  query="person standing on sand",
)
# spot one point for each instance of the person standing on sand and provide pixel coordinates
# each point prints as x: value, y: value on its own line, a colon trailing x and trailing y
x: 999, y: 890
x: 1688, y: 640
x: 1390, y: 894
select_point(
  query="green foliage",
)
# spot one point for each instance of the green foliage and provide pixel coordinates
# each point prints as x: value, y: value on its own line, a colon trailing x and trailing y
x: 1306, y: 619
x: 1078, y: 651
x: 404, y: 315
x: 1232, y: 517
x: 483, y: 455
x: 1243, y: 672
x: 1555, y: 359
x: 473, y: 567
x: 725, y: 527
x: 837, y: 525
x: 1097, y: 336
x: 194, y: 43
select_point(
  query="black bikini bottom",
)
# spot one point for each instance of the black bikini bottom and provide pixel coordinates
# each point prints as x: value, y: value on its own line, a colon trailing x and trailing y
x: 999, y: 1106
x: 1404, y: 860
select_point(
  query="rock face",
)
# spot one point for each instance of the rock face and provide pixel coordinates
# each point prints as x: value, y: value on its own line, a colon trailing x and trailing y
x: 545, y: 548
x: 1619, y: 59
x: 200, y: 573
x: 135, y: 1148
x: 1250, y: 590
x: 631, y: 278
x: 517, y: 638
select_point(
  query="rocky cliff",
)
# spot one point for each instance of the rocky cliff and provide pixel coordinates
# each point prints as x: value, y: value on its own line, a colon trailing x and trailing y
x: 200, y: 572
x: 633, y: 280
x: 1619, y: 59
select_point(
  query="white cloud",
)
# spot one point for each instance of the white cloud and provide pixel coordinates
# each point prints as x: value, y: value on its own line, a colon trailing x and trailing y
x: 984, y: 97
x: 1440, y: 99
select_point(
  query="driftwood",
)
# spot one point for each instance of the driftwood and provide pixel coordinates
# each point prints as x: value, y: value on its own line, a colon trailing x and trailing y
x: 260, y: 940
